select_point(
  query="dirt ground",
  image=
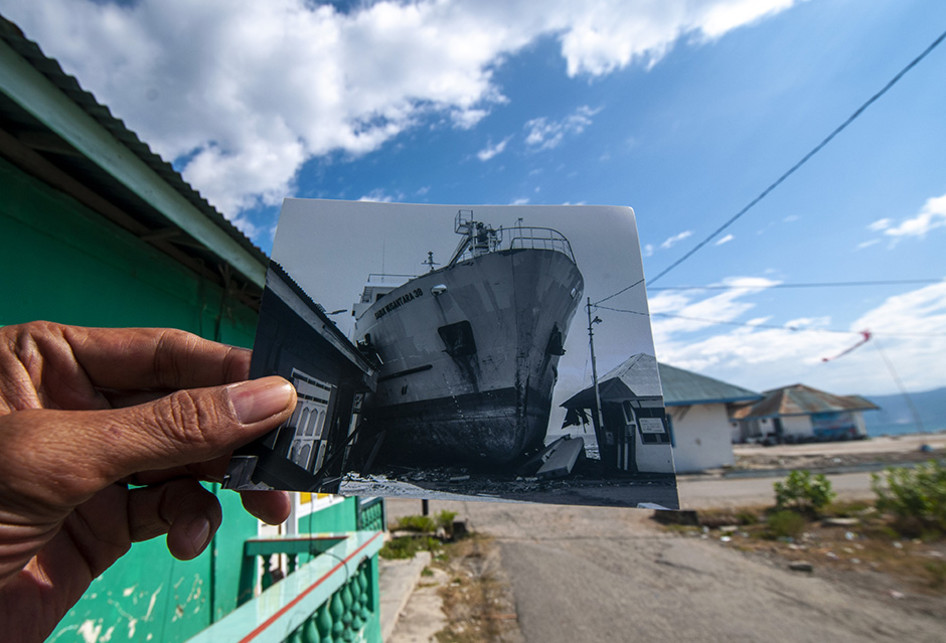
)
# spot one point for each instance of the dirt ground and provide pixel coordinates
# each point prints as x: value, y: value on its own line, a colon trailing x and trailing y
x: 832, y: 455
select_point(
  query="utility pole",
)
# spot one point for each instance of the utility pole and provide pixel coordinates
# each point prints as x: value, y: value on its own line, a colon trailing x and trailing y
x: 598, y: 419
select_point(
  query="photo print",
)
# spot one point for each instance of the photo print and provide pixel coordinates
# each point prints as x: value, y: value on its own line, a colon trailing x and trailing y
x: 444, y: 351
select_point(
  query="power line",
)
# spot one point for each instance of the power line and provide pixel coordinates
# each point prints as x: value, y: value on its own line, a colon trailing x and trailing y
x: 623, y: 290
x: 825, y: 284
x: 768, y: 326
x: 893, y: 81
x: 850, y: 119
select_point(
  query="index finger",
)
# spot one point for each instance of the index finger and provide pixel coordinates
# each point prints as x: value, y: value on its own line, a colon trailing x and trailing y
x: 154, y: 358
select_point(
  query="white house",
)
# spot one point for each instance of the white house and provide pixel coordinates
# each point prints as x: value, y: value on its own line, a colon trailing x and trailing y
x: 635, y: 435
x: 697, y: 405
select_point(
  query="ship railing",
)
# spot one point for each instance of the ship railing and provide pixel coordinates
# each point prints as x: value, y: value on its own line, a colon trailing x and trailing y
x: 387, y: 279
x: 535, y: 238
x: 330, y: 594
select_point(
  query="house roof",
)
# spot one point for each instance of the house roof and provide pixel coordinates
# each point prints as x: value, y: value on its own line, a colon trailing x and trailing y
x: 799, y: 399
x: 683, y: 388
x: 637, y: 376
x: 55, y: 130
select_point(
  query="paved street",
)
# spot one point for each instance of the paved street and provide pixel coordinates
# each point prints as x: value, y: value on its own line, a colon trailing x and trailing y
x: 582, y: 574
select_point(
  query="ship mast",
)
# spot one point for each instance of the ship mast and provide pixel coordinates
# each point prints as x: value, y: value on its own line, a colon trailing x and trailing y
x: 598, y: 420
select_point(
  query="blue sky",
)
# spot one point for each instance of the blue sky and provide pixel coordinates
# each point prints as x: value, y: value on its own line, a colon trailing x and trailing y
x: 684, y: 111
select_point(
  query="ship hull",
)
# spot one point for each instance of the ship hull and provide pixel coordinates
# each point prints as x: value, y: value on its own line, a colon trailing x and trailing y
x: 470, y: 356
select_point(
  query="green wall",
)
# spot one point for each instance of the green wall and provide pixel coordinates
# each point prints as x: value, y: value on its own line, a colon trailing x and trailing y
x: 62, y: 262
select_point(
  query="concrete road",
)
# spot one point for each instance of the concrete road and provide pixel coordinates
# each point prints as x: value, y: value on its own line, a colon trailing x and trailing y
x: 586, y: 574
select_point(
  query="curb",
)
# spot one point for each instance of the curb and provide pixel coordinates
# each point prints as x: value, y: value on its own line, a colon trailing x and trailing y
x: 396, y: 582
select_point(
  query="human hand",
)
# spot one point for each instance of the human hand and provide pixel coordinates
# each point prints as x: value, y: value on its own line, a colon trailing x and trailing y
x: 85, y: 412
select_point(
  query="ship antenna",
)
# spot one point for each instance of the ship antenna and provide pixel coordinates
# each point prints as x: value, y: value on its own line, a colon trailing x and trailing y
x: 430, y: 261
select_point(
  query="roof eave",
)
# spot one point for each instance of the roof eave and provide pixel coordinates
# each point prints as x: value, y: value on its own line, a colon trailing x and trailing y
x: 36, y: 94
x: 727, y: 400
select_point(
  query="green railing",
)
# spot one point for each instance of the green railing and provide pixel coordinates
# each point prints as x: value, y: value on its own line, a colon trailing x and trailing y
x: 332, y: 597
x: 370, y: 514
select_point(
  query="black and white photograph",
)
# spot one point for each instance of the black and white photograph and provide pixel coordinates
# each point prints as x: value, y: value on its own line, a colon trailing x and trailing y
x: 461, y: 351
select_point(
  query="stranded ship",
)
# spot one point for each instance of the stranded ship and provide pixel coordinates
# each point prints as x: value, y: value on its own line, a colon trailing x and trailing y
x: 470, y: 350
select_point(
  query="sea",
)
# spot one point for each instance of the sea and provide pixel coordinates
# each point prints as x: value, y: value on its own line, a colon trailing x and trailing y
x: 903, y: 428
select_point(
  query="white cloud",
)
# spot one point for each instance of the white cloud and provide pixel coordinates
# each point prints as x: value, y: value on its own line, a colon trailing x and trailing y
x: 491, y: 150
x: 545, y: 134
x: 675, y: 239
x: 879, y: 224
x: 931, y: 216
x: 611, y: 34
x: 725, y: 239
x: 241, y: 93
x: 867, y: 244
x: 681, y: 312
x: 908, y: 328
x: 648, y: 250
x: 381, y: 196
x: 519, y: 201
x: 467, y: 118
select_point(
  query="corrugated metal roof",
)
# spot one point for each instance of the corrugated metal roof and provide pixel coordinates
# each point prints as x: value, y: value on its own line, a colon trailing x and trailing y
x: 682, y: 387
x: 799, y: 399
x: 637, y: 377
x: 50, y: 68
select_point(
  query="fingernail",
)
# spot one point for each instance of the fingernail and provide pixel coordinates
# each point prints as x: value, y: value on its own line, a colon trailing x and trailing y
x: 257, y: 400
x: 198, y: 533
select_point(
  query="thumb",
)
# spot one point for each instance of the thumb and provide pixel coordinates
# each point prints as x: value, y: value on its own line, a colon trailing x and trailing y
x: 196, y: 425
x: 80, y: 452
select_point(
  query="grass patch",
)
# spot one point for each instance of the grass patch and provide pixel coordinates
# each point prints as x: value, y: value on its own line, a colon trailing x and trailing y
x: 408, y: 546
x: 419, y: 524
x: 915, y: 497
x: 477, y: 600
x: 785, y: 524
x: 849, y: 509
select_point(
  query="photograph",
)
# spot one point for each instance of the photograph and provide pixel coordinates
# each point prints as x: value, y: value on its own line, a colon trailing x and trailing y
x: 459, y: 351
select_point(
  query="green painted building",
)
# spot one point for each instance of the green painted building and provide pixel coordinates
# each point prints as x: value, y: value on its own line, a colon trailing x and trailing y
x: 97, y: 230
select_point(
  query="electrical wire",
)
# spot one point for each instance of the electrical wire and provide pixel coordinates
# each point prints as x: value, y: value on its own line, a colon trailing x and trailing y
x: 825, y: 284
x: 623, y: 290
x: 850, y: 119
x: 768, y: 326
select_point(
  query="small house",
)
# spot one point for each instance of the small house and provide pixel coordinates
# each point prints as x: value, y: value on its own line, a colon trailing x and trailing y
x: 633, y: 434
x: 799, y: 413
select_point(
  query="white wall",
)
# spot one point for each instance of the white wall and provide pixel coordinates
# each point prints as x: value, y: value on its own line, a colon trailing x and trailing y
x: 799, y: 425
x: 859, y: 422
x: 703, y: 437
